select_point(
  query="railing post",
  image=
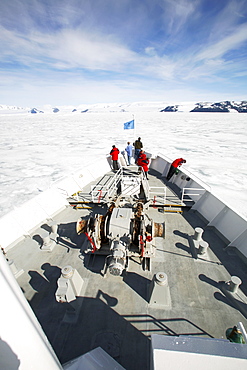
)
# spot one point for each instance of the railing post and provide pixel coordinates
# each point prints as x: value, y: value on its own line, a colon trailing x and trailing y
x: 182, y: 199
x: 243, y: 331
x: 100, y: 195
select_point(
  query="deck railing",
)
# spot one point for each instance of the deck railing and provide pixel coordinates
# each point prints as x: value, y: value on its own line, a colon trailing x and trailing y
x: 158, y: 195
x: 145, y: 183
x: 191, y: 192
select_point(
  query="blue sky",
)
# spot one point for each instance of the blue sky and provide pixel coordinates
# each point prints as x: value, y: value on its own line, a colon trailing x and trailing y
x: 97, y: 51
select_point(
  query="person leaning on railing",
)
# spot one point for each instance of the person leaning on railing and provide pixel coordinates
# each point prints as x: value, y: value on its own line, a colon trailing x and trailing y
x: 173, y: 168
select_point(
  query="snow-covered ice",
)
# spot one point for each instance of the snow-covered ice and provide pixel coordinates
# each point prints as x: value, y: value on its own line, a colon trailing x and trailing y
x: 38, y: 149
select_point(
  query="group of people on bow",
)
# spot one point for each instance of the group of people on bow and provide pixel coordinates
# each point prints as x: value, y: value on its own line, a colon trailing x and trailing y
x: 141, y: 159
x: 139, y: 155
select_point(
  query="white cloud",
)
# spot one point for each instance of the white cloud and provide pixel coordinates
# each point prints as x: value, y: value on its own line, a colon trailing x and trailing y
x: 150, y: 51
x: 228, y: 19
x: 177, y: 13
x: 220, y: 48
x: 67, y: 55
x: 66, y: 49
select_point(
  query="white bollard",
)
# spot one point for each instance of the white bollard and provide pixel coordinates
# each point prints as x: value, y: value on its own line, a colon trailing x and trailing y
x: 69, y: 285
x: 234, y: 284
x: 54, y: 227
x: 198, y: 234
x: 46, y: 240
x: 69, y: 289
x: 159, y: 291
x: 67, y: 272
x: 203, y: 246
x: 48, y: 243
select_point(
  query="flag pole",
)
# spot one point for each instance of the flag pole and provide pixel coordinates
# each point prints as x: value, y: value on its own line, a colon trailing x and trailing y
x: 134, y: 131
x: 134, y: 128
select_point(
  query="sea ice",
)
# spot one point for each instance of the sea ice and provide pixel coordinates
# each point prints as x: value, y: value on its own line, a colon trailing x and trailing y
x: 37, y: 150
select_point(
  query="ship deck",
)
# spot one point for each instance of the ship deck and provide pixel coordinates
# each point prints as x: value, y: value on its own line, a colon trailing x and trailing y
x: 115, y: 313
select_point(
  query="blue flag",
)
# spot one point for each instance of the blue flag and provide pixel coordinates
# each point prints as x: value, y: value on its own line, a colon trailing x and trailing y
x: 129, y: 125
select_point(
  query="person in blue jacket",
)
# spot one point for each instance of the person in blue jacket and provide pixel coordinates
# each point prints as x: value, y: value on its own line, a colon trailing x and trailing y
x: 129, y: 150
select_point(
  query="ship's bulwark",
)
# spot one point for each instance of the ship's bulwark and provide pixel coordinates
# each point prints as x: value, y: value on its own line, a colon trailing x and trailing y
x: 115, y: 313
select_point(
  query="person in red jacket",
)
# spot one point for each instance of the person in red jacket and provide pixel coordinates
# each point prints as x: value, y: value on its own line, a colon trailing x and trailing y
x: 114, y: 155
x: 175, y: 164
x: 143, y: 162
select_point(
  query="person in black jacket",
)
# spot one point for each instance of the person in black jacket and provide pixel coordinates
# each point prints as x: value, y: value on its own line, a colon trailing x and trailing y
x: 138, y: 146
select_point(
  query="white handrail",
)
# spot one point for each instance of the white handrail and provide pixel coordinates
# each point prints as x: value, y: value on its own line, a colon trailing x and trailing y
x: 145, y: 183
x: 188, y: 194
x: 158, y: 193
x: 240, y: 326
x: 186, y: 172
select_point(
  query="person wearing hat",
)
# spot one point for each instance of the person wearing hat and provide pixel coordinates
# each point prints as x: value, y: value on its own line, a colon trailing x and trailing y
x: 175, y: 164
x: 114, y: 155
x: 138, y: 146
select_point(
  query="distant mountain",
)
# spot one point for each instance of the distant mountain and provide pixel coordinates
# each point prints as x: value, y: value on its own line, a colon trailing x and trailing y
x: 35, y: 110
x: 222, y: 107
x: 12, y: 109
x: 225, y: 106
x: 170, y: 108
